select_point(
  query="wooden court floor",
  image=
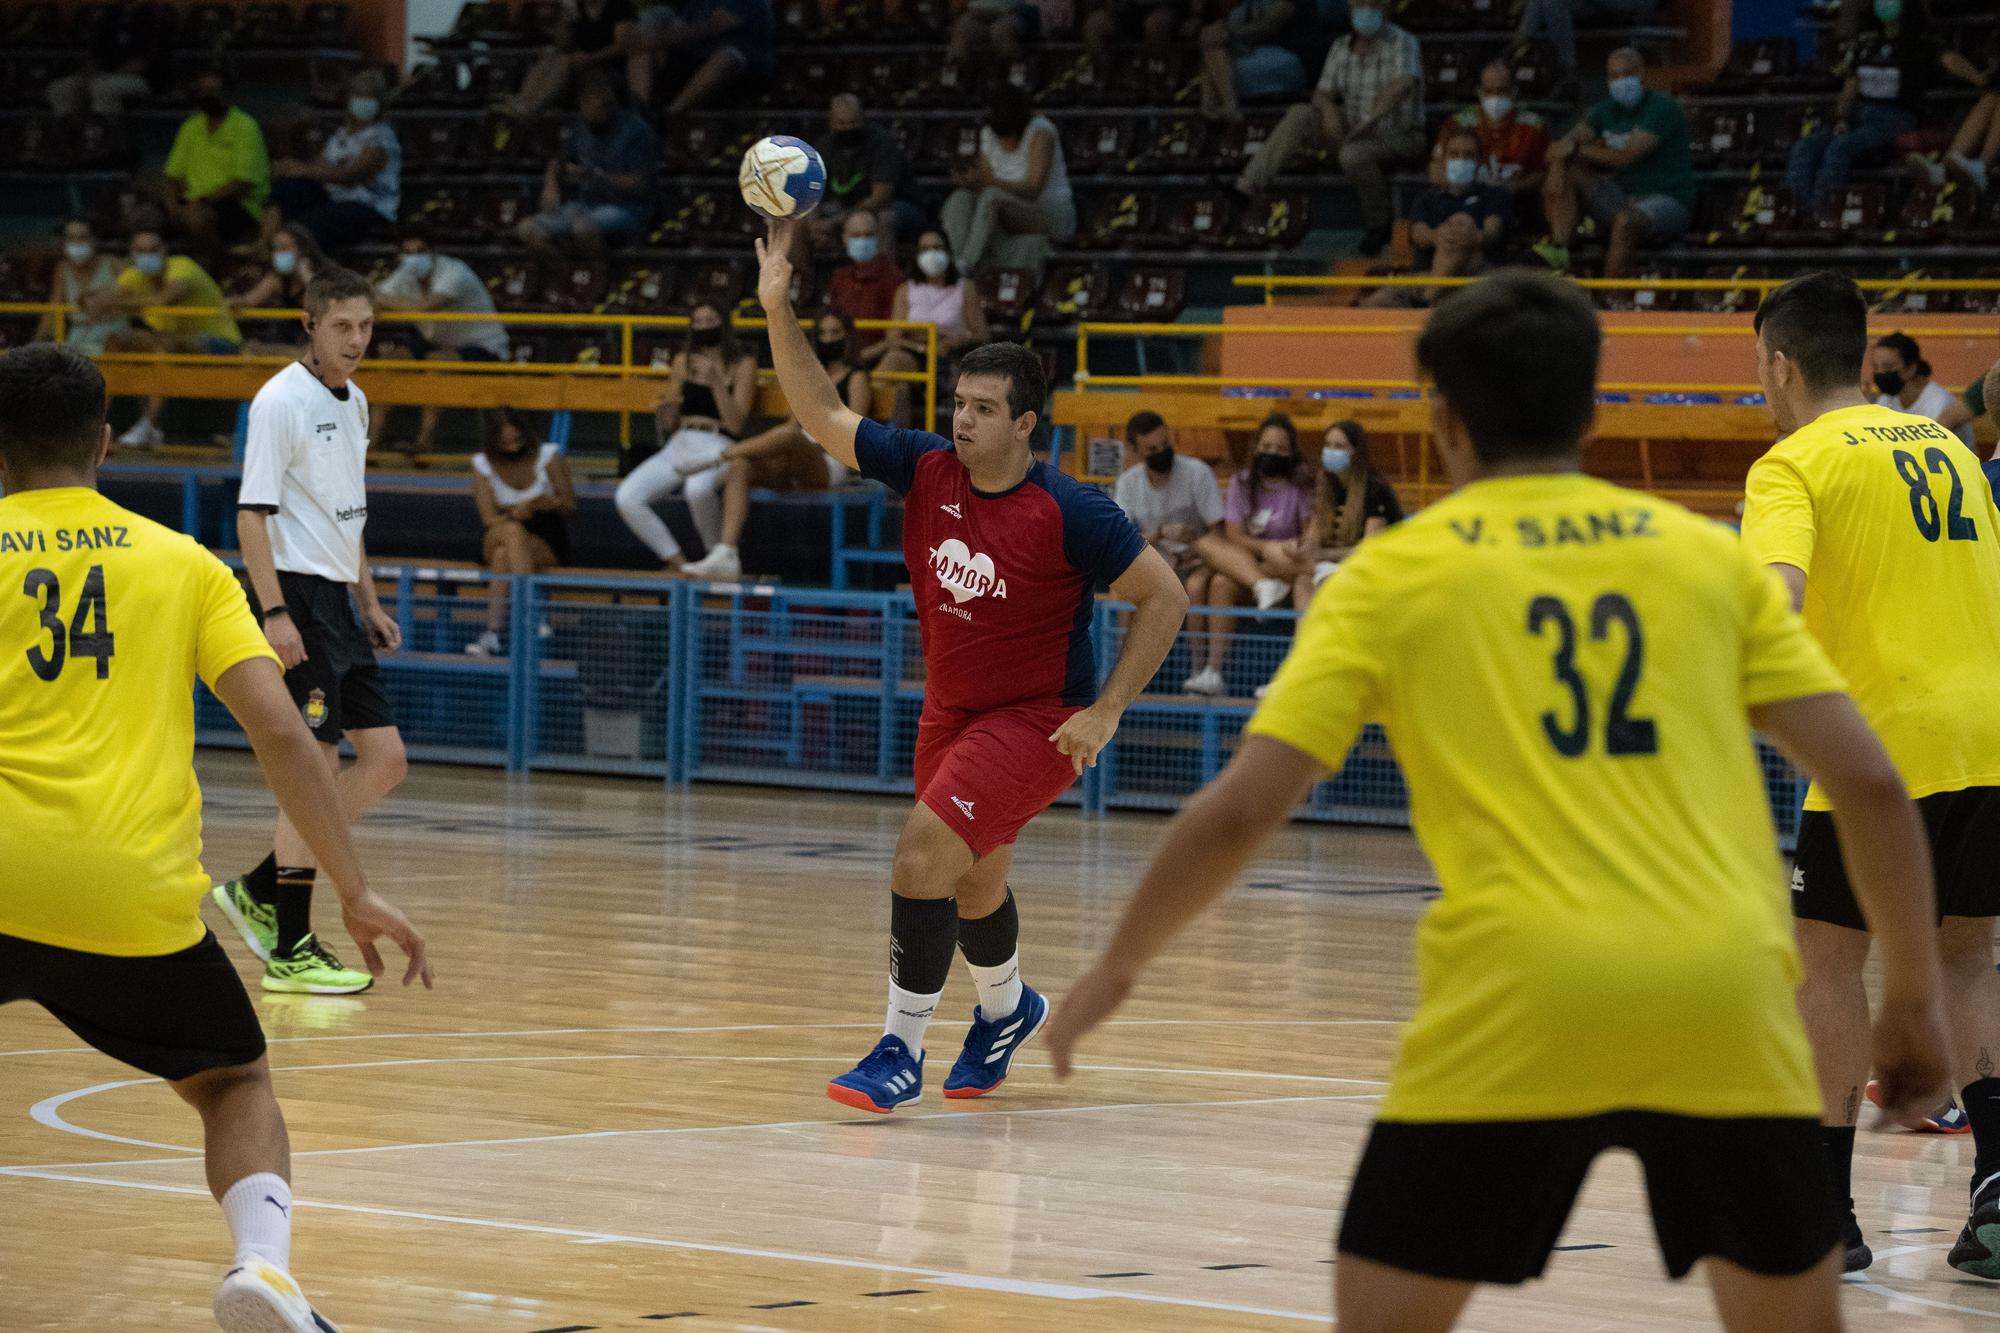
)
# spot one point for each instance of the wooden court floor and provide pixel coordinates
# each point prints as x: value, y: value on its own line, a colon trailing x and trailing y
x: 609, y: 1114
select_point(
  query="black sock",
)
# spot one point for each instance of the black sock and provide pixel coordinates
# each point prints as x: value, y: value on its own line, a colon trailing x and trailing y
x: 922, y: 932
x: 262, y: 883
x: 990, y: 940
x: 1981, y: 1099
x: 1838, y: 1142
x: 295, y: 897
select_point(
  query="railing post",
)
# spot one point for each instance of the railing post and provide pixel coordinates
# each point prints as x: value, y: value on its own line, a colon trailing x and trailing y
x: 683, y: 682
x: 191, y: 504
x: 892, y: 681
x: 406, y: 594
x: 524, y: 668
x: 930, y: 376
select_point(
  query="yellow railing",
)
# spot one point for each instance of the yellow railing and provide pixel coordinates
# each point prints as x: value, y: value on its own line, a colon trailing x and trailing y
x: 1272, y: 283
x: 627, y: 325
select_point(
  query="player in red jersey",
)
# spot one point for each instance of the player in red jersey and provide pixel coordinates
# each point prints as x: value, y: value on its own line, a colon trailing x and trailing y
x: 1005, y: 556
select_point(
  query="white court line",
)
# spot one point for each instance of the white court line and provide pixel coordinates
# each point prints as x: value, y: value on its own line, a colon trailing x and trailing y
x: 1061, y: 1291
x: 763, y: 1027
x: 1891, y: 1295
x: 526, y: 1139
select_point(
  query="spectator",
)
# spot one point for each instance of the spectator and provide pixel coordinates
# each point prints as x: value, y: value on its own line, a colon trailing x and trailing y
x: 609, y: 157
x: 293, y: 259
x: 1513, y: 140
x: 88, y: 279
x: 711, y: 387
x: 1174, y: 502
x: 526, y: 497
x: 594, y: 34
x: 1888, y: 68
x: 865, y: 172
x: 217, y: 175
x: 1355, y: 502
x: 1159, y: 24
x: 785, y: 458
x: 128, y: 59
x: 999, y: 29
x: 426, y: 282
x: 1902, y: 380
x: 865, y: 286
x: 1454, y: 227
x: 1628, y: 165
x: 1971, y: 405
x: 1253, y: 53
x: 938, y: 294
x: 1016, y: 184
x: 1557, y: 20
x: 1368, y: 108
x: 705, y: 50
x: 1975, y: 146
x: 356, y: 186
x: 157, y: 278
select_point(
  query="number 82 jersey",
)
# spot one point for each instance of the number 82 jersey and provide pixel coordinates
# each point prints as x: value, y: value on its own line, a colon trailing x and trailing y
x: 106, y: 621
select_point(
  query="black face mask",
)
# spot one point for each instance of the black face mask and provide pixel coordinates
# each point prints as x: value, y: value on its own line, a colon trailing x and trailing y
x: 212, y: 106
x: 1161, y: 462
x: 1276, y: 465
x: 704, y: 337
x: 830, y: 352
x: 846, y: 138
x: 1889, y: 381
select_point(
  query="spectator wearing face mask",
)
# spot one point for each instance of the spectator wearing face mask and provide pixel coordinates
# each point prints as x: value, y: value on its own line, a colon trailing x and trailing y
x: 1888, y: 68
x: 865, y: 173
x: 1628, y: 164
x: 1354, y: 503
x: 1454, y: 227
x: 159, y: 279
x: 1902, y: 379
x: 355, y: 187
x: 865, y: 286
x: 292, y: 259
x: 85, y: 277
x: 218, y: 174
x: 935, y: 293
x: 1175, y: 503
x: 426, y: 282
x: 1513, y: 139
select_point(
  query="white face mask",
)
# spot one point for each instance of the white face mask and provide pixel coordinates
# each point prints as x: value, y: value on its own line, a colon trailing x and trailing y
x: 1497, y: 106
x: 364, y: 108
x: 933, y: 263
x: 1335, y: 458
x: 417, y: 266
x: 285, y: 261
x: 78, y: 252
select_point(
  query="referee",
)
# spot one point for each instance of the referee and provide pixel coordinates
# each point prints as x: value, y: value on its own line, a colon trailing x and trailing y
x: 300, y: 513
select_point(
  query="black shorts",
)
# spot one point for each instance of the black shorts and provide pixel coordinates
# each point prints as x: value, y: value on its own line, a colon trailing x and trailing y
x: 1752, y: 1191
x: 172, y: 1015
x: 339, y: 687
x: 1964, y: 831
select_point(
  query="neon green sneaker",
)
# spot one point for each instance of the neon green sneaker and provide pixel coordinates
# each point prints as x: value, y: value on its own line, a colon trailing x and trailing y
x: 256, y: 922
x: 311, y: 969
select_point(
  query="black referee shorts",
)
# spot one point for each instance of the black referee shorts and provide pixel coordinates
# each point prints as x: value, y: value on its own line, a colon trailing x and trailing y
x: 173, y: 1015
x: 1964, y: 832
x: 339, y: 687
x: 1485, y: 1201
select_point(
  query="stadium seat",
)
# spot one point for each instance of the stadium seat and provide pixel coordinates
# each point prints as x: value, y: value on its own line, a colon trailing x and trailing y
x: 1008, y: 293
x: 1152, y: 295
x: 499, y: 211
x: 1751, y: 216
x: 1120, y: 218
x: 950, y: 142
x: 504, y: 144
x: 1238, y: 142
x: 1451, y: 71
x: 1178, y: 145
x: 645, y: 289
x: 1201, y: 219
x: 480, y: 22
x: 1860, y: 211
x: 1073, y: 292
x: 1723, y: 136
x: 720, y: 282
x: 1155, y: 78
x: 436, y: 143
x: 266, y: 25
x: 1929, y: 215
x: 1735, y: 300
x: 206, y: 27
x: 37, y: 144
x: 516, y: 284
x: 1278, y: 220
x: 1641, y: 298
x: 440, y: 209
x: 1095, y: 145
x: 572, y: 288
x: 1908, y: 301
x: 1757, y: 66
x: 1979, y: 224
x: 26, y: 277
x: 1079, y: 81
x: 326, y: 25
x: 1983, y: 302
x: 1535, y: 69
x: 706, y: 146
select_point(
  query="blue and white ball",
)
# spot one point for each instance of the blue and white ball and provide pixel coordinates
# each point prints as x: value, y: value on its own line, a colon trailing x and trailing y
x: 782, y: 177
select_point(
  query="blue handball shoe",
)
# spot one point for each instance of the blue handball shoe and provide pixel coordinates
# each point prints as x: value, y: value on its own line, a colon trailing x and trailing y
x: 886, y: 1078
x: 990, y: 1046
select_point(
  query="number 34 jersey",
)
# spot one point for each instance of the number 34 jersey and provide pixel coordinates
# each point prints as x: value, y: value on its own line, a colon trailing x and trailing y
x: 106, y: 620
x: 1892, y: 520
x: 1565, y: 669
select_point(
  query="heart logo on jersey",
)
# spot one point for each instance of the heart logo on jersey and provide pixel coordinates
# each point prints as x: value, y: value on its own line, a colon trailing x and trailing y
x: 963, y: 574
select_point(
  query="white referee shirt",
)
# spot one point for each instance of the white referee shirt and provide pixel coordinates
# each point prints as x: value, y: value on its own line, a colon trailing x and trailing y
x: 305, y: 460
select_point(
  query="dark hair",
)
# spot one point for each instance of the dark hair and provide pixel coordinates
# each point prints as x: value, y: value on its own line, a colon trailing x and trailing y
x: 596, y: 82
x: 1515, y: 356
x: 418, y: 232
x: 1027, y: 388
x: 1820, y: 322
x: 334, y: 283
x: 1904, y: 346
x: 51, y: 409
x: 1279, y: 421
x: 952, y: 274
x: 1360, y: 471
x: 1143, y: 423
x: 307, y: 244
x: 847, y: 350
x: 1008, y: 114
x: 1454, y: 132
x: 725, y: 346
x: 1357, y: 437
x: 78, y: 220
x: 497, y: 422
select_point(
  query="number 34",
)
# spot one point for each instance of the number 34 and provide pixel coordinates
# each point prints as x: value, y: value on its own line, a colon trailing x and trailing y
x: 77, y: 638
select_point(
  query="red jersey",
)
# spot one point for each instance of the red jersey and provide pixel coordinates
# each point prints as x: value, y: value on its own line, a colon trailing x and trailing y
x: 1508, y: 149
x: 1005, y: 584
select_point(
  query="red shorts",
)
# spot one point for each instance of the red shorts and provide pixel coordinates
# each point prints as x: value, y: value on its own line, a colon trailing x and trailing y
x: 987, y: 774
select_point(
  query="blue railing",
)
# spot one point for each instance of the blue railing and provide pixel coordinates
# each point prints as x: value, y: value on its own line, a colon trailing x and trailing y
x: 815, y: 688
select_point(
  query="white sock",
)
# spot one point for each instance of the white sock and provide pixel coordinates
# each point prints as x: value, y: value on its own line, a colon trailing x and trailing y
x: 910, y: 1016
x: 999, y: 987
x: 259, y: 1211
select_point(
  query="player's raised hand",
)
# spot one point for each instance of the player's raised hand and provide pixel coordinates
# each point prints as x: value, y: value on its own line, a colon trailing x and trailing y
x: 1083, y: 735
x: 1911, y: 1061
x: 368, y: 917
x: 774, y: 266
x: 1094, y: 998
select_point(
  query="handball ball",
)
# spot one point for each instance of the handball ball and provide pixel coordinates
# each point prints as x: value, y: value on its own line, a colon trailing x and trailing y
x: 782, y: 177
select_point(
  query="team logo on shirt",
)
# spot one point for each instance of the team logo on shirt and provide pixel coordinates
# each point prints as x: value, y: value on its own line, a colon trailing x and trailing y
x: 963, y: 574
x: 952, y: 510
x: 964, y: 807
x: 314, y: 710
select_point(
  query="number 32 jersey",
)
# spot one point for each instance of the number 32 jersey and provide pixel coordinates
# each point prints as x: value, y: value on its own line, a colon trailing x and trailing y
x: 1893, y: 523
x: 106, y: 620
x: 1565, y: 670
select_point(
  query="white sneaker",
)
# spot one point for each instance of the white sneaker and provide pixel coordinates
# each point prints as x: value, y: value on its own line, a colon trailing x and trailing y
x: 1925, y: 168
x: 721, y: 562
x: 1262, y: 690
x: 545, y: 631
x: 1269, y: 592
x: 486, y: 645
x: 1972, y: 169
x: 1205, y: 681
x: 143, y: 435
x: 259, y: 1298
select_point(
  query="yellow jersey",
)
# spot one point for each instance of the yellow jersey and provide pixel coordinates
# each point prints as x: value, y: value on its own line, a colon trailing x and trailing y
x: 106, y: 619
x: 201, y: 291
x: 1892, y: 520
x: 1565, y: 669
